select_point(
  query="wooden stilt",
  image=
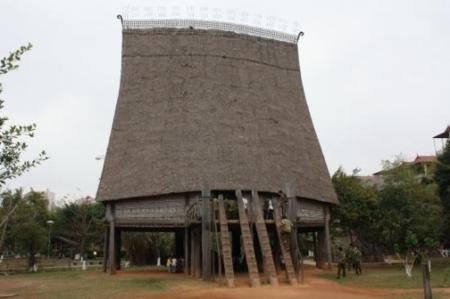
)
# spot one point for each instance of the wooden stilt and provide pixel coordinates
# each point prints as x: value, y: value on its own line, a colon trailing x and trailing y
x: 105, y: 249
x: 197, y: 254
x: 192, y: 253
x: 321, y: 248
x: 314, y: 247
x: 186, y: 251
x: 112, y: 241
x: 292, y: 206
x: 327, y: 235
x: 206, y: 234
x: 118, y: 246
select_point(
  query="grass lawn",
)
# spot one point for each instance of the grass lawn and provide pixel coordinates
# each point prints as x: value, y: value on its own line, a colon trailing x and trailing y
x: 85, y: 284
x: 395, y: 277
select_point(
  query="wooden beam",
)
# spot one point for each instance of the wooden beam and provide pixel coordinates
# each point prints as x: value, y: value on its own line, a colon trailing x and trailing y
x: 321, y: 248
x: 327, y: 234
x: 292, y: 207
x: 112, y: 241
x: 186, y: 251
x: 316, y: 251
x: 206, y: 234
x: 118, y: 247
x: 105, y: 249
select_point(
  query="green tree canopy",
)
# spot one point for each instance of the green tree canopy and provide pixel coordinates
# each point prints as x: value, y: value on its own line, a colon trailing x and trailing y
x: 29, y: 228
x: 442, y: 178
x: 401, y: 214
x: 12, y: 143
x: 81, y: 221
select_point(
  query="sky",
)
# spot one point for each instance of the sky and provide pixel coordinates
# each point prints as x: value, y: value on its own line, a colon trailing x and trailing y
x: 376, y: 76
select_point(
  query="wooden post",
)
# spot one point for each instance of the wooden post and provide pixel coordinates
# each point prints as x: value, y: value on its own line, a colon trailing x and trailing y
x: 206, y: 234
x: 112, y: 241
x: 186, y: 251
x: 105, y: 249
x: 316, y: 252
x: 327, y: 234
x: 197, y: 254
x: 302, y: 266
x: 321, y: 248
x: 426, y: 279
x: 291, y: 214
x: 118, y: 246
x: 192, y: 262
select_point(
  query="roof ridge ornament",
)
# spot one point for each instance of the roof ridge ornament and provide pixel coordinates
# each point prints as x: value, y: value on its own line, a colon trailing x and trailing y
x: 137, y: 24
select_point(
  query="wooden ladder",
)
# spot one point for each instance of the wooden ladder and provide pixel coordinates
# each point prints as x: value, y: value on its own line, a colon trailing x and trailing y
x: 225, y: 244
x: 286, y: 252
x: 247, y: 238
x: 264, y: 242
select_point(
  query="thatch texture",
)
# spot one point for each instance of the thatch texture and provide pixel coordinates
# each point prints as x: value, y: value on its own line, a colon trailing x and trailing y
x: 202, y: 107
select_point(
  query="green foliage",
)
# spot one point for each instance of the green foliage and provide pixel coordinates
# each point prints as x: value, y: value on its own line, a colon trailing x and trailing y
x: 28, y: 228
x: 412, y: 213
x: 358, y: 213
x: 442, y: 178
x: 11, y: 138
x: 401, y: 215
x: 83, y: 222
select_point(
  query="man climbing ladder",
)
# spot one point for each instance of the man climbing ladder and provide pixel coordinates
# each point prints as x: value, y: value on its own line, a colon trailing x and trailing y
x: 286, y: 229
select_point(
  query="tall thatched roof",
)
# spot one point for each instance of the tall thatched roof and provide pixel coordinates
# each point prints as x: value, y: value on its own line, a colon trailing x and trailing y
x: 209, y: 107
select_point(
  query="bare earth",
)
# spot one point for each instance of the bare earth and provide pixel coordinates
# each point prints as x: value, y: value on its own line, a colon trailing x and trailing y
x: 313, y: 287
x: 184, y: 287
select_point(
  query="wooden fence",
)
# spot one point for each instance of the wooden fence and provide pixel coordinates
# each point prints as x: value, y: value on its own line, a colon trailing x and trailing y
x: 43, y: 264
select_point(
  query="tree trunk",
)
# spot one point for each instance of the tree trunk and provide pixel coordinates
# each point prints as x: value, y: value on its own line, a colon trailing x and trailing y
x: 426, y: 279
x: 82, y: 242
x: 31, y: 257
x: 3, y: 236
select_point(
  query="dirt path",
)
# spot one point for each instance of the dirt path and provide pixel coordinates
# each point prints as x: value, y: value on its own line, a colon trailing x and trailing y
x: 183, y: 287
x: 314, y: 287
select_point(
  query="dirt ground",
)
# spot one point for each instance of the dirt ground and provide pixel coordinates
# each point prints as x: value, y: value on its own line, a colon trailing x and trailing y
x: 184, y: 287
x: 313, y: 287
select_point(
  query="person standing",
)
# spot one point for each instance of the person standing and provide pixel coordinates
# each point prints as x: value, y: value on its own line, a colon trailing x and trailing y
x: 174, y: 264
x: 356, y: 259
x: 283, y: 202
x: 245, y: 201
x: 270, y: 209
x: 169, y: 264
x: 341, y: 259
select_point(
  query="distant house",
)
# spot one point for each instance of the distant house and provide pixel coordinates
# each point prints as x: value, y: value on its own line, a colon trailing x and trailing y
x: 422, y: 166
x: 444, y: 137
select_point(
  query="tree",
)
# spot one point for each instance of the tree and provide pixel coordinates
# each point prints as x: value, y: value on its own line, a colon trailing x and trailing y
x: 11, y: 138
x: 442, y: 178
x: 81, y: 221
x: 404, y: 215
x: 12, y: 145
x: 28, y: 232
x: 8, y: 207
x: 384, y: 219
x: 357, y: 214
x: 410, y: 208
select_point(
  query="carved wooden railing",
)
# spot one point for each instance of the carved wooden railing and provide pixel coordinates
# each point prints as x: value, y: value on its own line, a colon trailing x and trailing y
x: 194, y: 211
